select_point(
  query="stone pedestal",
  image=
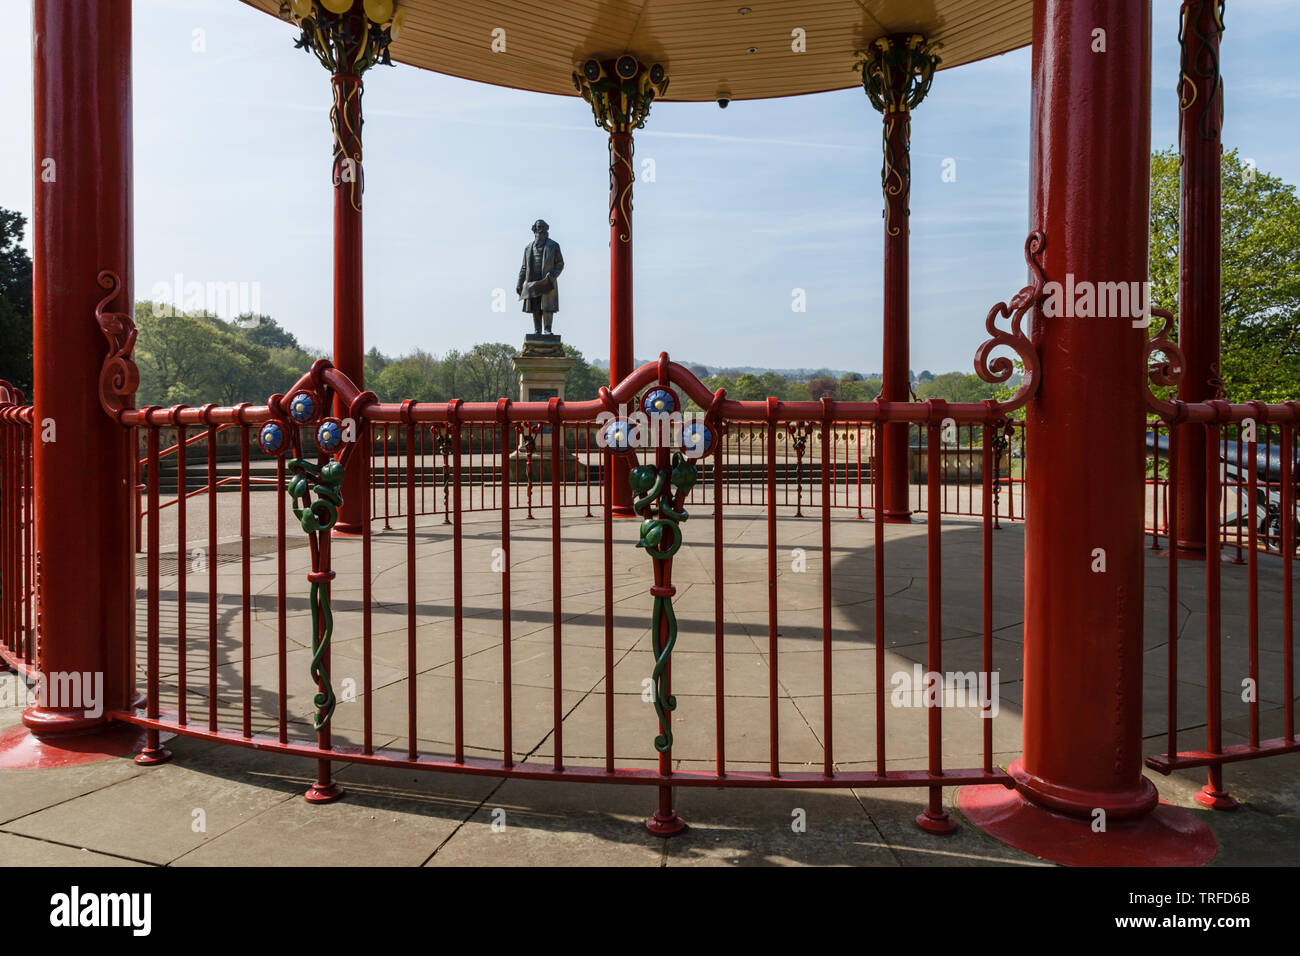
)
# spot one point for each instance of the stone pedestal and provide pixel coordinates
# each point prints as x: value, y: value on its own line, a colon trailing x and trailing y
x: 542, y: 366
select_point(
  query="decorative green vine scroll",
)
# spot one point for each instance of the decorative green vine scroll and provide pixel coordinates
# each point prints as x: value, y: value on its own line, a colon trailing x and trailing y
x: 318, y: 517
x: 658, y: 495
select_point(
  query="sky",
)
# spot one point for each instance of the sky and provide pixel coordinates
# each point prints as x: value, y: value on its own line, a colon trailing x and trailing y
x: 747, y: 204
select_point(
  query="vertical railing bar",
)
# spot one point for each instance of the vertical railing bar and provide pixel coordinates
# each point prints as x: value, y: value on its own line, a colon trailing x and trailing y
x: 772, y: 647
x: 457, y: 575
x: 720, y: 718
x: 1171, y: 536
x: 182, y: 566
x: 412, y: 663
x: 246, y: 579
x: 986, y: 527
x: 507, y: 720
x: 828, y: 750
x: 151, y: 614
x: 1288, y: 557
x: 877, y: 441
x: 557, y: 443
x: 934, y: 616
x: 1252, y: 579
x: 1213, y: 557
x: 281, y: 601
x: 212, y: 577
x: 367, y: 670
x: 607, y: 535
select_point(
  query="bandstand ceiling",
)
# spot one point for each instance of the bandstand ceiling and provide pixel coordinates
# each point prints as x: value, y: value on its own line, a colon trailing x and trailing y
x: 705, y: 44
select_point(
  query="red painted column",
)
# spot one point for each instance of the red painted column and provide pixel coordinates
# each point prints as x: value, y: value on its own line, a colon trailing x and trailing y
x: 620, y: 92
x: 1200, y: 235
x: 81, y: 225
x: 349, y: 288
x: 1090, y: 145
x: 896, y: 365
x: 1081, y: 797
x: 622, y: 175
x: 896, y: 74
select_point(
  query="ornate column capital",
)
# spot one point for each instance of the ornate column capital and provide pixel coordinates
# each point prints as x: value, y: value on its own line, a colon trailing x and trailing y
x: 897, y: 71
x: 347, y: 36
x: 620, y: 90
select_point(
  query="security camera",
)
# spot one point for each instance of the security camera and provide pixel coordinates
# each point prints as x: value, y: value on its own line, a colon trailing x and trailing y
x: 723, y: 101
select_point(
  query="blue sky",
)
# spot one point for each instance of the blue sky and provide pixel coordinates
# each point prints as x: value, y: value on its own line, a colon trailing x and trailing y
x: 232, y: 161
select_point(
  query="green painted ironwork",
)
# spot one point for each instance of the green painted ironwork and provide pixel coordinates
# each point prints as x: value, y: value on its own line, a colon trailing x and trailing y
x: 658, y: 495
x: 318, y: 517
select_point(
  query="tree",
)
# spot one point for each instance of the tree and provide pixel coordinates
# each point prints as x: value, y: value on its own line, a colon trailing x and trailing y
x: 956, y: 387
x: 1261, y: 274
x: 583, y: 380
x: 823, y: 387
x: 15, y: 303
x: 488, y: 372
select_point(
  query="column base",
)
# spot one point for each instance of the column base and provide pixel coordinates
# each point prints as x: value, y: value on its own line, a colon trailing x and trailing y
x: 22, y: 748
x: 1081, y: 804
x: 665, y: 824
x: 897, y: 517
x: 348, y: 530
x: 1213, y: 799
x: 623, y: 511
x: 1167, y: 836
x: 323, y: 793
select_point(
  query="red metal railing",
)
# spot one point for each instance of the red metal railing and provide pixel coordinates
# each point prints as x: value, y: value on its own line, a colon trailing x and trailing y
x: 18, y: 561
x: 1250, y: 487
x: 1234, y: 672
x: 249, y: 703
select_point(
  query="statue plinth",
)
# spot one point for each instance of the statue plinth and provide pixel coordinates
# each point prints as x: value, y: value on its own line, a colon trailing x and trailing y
x: 542, y: 367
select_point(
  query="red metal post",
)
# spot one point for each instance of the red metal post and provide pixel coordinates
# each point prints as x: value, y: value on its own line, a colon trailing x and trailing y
x: 347, y: 44
x: 621, y: 356
x: 1200, y: 104
x: 620, y: 92
x: 896, y: 74
x: 1089, y: 193
x: 81, y: 225
x: 349, y: 288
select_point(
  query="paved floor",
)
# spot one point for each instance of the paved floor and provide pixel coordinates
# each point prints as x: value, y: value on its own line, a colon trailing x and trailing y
x: 216, y: 804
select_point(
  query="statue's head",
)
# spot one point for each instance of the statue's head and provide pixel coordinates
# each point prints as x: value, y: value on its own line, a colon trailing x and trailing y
x: 541, y: 230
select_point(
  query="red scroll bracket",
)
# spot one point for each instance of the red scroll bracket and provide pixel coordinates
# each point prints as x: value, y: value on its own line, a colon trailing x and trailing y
x: 999, y: 369
x: 118, y: 377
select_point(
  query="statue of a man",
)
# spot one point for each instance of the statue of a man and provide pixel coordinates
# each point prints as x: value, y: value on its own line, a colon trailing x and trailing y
x: 542, y: 266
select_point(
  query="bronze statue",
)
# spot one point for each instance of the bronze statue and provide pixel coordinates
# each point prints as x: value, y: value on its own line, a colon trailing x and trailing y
x: 542, y: 266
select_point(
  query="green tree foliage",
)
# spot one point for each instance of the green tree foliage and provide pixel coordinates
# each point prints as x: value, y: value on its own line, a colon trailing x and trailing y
x: 1261, y: 274
x: 15, y: 303
x: 193, y: 358
x: 956, y: 387
x: 583, y: 381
